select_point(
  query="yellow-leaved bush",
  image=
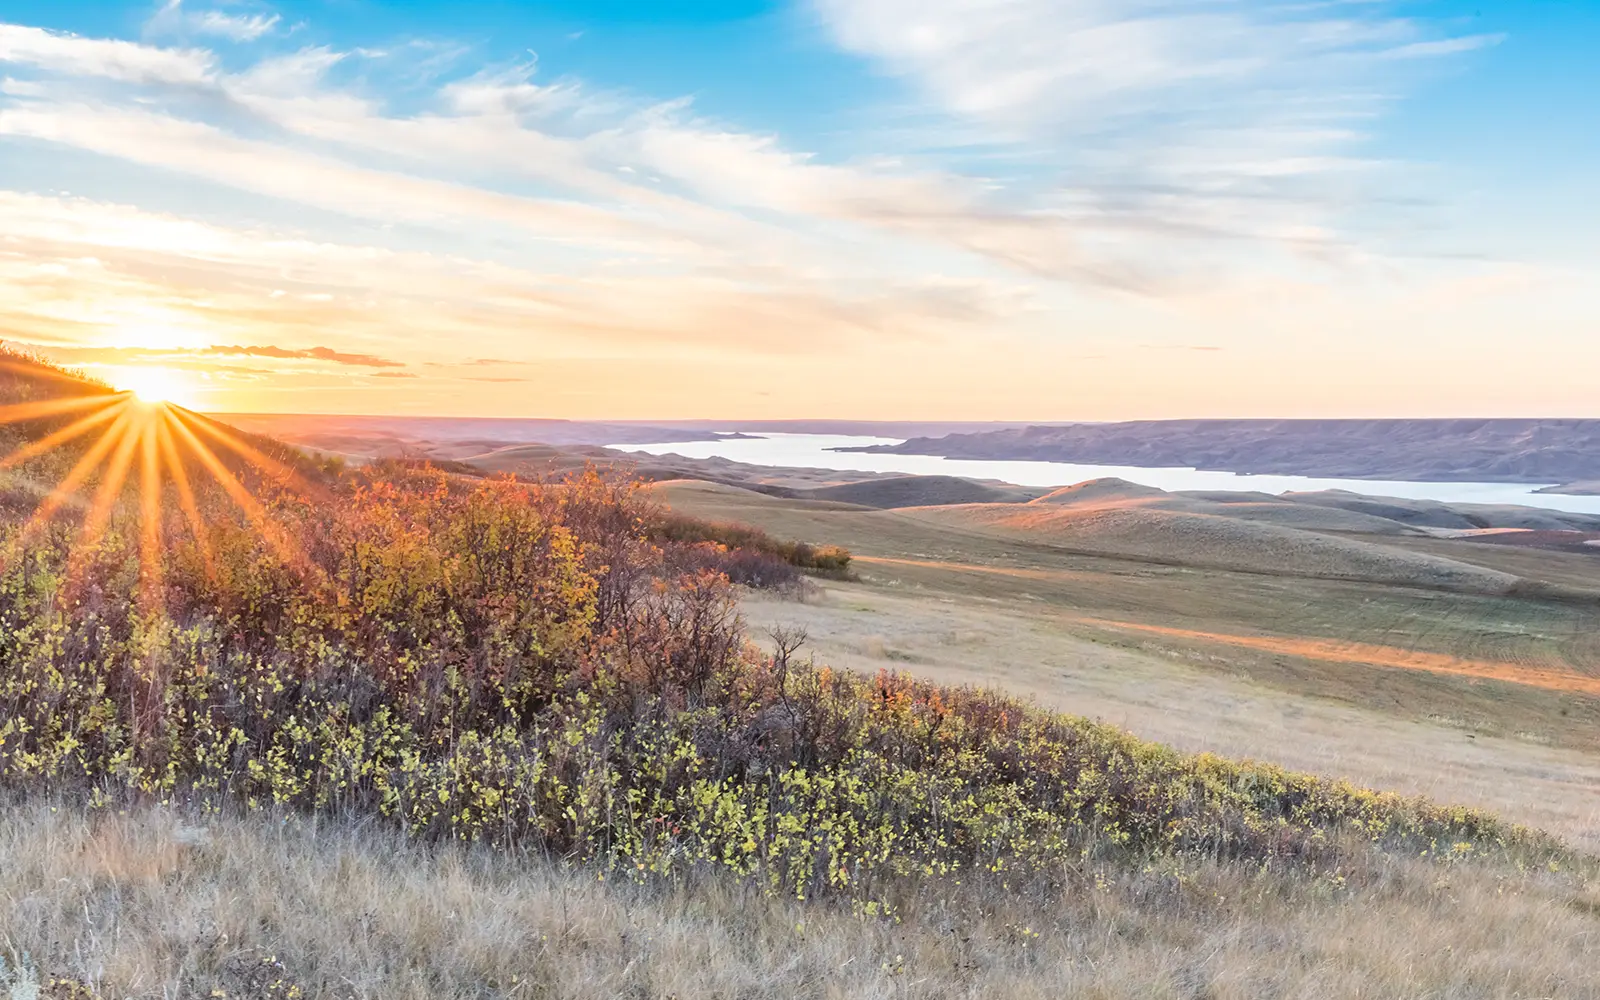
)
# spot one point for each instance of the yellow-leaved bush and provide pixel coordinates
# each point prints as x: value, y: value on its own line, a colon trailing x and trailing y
x: 519, y: 664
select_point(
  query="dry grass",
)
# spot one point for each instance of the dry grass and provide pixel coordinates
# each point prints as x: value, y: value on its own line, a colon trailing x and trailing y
x: 1203, y: 700
x: 158, y: 903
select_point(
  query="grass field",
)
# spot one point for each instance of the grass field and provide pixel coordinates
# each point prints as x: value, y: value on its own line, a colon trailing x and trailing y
x: 168, y: 904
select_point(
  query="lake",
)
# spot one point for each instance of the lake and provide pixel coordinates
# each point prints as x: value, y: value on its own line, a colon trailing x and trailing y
x: 815, y: 451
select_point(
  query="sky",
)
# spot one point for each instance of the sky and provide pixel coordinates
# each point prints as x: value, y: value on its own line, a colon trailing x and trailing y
x: 872, y: 209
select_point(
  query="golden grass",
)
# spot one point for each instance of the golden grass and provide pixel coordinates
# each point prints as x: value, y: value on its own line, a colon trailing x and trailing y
x: 922, y: 491
x: 160, y: 903
x: 1382, y: 656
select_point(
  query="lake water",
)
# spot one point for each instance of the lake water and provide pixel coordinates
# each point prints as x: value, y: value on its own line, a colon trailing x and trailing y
x: 815, y: 451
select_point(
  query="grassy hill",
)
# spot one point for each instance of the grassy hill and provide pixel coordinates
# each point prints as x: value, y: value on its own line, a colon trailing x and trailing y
x: 276, y: 728
x: 1239, y: 540
x: 921, y: 491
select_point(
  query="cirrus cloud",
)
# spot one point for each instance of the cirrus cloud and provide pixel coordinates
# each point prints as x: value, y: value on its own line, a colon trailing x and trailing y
x: 174, y: 18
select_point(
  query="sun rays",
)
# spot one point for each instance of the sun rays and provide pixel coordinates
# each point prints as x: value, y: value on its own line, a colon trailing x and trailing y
x: 146, y: 442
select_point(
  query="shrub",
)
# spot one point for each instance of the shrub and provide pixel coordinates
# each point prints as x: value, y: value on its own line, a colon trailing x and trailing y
x: 681, y: 529
x: 520, y: 664
x: 561, y: 667
x: 746, y: 567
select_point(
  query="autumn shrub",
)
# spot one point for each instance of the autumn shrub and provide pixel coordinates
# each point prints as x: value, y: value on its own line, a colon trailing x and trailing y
x: 746, y: 567
x: 523, y: 664
x: 670, y: 527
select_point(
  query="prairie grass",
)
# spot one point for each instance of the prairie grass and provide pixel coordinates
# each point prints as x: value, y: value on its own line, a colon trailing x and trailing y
x: 1017, y: 576
x: 152, y: 902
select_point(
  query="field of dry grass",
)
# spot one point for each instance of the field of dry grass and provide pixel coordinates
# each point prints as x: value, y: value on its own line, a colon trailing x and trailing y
x: 1197, y: 701
x: 154, y: 902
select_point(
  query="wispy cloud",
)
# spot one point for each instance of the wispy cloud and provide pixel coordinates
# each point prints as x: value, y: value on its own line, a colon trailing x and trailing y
x: 238, y: 28
x: 204, y: 150
x: 312, y: 353
x: 112, y: 59
x: 598, y: 146
x: 1235, y: 119
x: 96, y: 273
x: 1183, y: 146
x: 722, y: 184
x: 1037, y: 65
x: 174, y: 18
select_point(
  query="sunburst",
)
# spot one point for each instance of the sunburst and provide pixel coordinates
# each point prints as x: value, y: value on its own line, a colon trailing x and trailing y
x: 136, y: 429
x: 152, y: 384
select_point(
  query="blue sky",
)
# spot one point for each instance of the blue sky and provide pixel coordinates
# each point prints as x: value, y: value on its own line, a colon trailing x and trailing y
x: 1010, y: 209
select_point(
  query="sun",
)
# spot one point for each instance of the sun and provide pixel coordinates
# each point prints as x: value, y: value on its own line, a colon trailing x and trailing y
x: 154, y: 385
x: 145, y: 435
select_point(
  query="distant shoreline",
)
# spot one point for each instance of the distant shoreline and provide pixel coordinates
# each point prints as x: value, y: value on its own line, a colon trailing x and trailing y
x: 1559, y: 456
x: 1588, y: 489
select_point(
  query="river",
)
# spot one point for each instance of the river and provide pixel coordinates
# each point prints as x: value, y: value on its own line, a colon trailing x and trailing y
x: 816, y: 451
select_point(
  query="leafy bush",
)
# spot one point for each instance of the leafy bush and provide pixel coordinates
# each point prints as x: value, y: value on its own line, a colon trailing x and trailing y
x: 746, y: 567
x: 561, y: 667
x: 521, y: 664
